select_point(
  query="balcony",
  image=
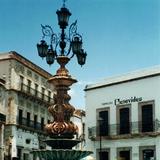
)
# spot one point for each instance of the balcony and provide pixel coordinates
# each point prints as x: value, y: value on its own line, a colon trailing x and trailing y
x: 131, y: 130
x: 35, y: 94
x: 30, y: 125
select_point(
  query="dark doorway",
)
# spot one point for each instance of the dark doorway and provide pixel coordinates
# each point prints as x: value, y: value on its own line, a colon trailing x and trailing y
x: 35, y: 121
x: 147, y: 118
x: 103, y: 155
x: 25, y: 156
x: 148, y: 154
x: 28, y: 119
x: 125, y: 155
x: 124, y: 127
x: 103, y: 123
x: 19, y: 152
x: 20, y: 116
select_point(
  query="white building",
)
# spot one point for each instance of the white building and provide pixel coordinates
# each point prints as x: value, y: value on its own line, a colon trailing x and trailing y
x: 123, y: 116
x: 79, y: 119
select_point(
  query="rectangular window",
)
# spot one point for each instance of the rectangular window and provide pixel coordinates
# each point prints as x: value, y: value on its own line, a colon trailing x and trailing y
x: 19, y: 152
x: 43, y: 91
x: 25, y: 156
x: 103, y: 123
x: 124, y: 121
x: 83, y: 128
x: 147, y: 118
x: 20, y: 115
x: 36, y: 89
x: 35, y: 121
x: 21, y: 82
x: 28, y: 119
x: 28, y: 86
x: 147, y: 153
x: 103, y: 155
x: 49, y: 96
x: 125, y: 155
x: 42, y: 123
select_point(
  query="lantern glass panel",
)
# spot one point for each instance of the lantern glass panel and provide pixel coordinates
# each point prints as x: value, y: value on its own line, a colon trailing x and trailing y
x: 42, y: 48
x: 50, y: 57
x: 76, y: 45
x: 63, y: 17
x: 81, y: 57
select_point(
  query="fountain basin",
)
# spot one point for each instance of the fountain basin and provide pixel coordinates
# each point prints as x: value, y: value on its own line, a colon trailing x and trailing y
x: 60, y: 154
x: 62, y: 143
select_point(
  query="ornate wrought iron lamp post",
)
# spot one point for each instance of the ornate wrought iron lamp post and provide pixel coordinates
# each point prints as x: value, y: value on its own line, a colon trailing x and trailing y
x: 100, y: 120
x: 69, y: 45
x: 62, y: 129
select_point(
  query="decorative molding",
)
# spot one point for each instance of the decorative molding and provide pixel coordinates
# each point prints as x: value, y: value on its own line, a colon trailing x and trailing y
x: 36, y: 77
x: 42, y: 111
x: 43, y: 81
x: 14, y: 55
x: 21, y: 102
x: 29, y: 73
x: 29, y: 105
x: 36, y: 108
x: 19, y: 68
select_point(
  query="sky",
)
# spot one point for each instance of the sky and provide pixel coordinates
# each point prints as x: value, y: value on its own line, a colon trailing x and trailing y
x: 119, y: 36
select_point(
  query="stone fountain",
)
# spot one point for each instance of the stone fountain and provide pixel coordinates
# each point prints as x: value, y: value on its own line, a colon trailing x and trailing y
x: 62, y: 130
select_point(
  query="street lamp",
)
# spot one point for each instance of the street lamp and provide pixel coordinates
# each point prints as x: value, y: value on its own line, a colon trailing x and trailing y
x: 100, y: 120
x: 62, y: 48
x: 66, y: 43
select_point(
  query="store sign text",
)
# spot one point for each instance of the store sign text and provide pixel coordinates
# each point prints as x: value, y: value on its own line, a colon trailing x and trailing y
x: 119, y: 101
x: 127, y: 101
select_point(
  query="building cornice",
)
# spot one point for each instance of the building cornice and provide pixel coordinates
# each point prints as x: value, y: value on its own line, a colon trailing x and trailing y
x: 133, y: 76
x: 15, y: 56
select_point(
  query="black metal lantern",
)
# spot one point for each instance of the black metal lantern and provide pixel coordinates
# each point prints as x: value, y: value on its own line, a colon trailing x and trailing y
x: 50, y: 56
x: 70, y: 44
x: 76, y: 45
x: 81, y: 57
x: 42, y: 48
x: 63, y: 17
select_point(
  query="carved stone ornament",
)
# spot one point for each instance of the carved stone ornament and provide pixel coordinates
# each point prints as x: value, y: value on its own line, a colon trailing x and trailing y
x: 62, y: 110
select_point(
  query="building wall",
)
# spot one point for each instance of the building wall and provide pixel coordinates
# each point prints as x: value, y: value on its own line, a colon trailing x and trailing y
x: 2, y: 99
x: 20, y: 138
x: 4, y: 71
x: 132, y: 93
x: 146, y: 88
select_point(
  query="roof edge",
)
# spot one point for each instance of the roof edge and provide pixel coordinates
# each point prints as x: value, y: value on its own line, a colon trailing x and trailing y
x: 132, y: 76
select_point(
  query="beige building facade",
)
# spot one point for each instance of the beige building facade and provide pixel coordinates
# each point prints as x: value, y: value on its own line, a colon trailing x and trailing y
x: 25, y: 97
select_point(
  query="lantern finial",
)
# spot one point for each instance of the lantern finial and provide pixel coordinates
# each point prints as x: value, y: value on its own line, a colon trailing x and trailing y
x: 64, y: 1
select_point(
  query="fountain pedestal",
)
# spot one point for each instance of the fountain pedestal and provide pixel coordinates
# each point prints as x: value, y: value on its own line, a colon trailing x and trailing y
x: 62, y: 130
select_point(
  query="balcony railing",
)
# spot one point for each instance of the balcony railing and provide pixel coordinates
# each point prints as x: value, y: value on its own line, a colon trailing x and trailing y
x: 133, y: 128
x: 30, y: 125
x: 33, y: 92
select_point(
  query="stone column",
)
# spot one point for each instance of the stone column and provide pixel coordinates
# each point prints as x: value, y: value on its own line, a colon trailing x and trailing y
x: 157, y: 148
x: 135, y: 153
x: 2, y: 142
x: 113, y: 153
